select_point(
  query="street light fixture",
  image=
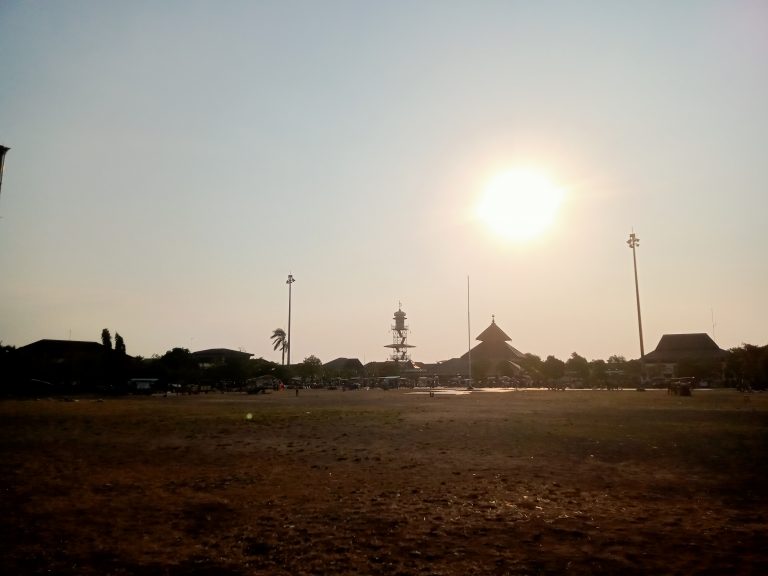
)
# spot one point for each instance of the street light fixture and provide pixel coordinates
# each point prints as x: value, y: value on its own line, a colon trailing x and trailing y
x: 290, y: 281
x: 633, y: 242
x: 3, y: 150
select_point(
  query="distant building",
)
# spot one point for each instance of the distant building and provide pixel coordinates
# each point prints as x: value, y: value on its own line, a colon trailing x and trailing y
x: 61, y: 350
x: 406, y: 369
x: 494, y: 356
x: 219, y: 356
x: 686, y: 355
x: 61, y: 362
x: 343, y: 368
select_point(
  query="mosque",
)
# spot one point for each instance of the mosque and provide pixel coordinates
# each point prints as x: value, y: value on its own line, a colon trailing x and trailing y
x: 493, y: 355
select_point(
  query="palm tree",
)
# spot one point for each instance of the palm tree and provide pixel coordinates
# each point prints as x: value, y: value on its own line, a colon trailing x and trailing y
x: 279, y: 340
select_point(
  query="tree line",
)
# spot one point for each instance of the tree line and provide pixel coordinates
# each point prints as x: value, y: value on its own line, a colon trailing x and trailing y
x: 745, y: 367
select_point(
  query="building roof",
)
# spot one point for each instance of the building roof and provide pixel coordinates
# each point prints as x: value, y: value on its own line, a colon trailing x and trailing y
x: 374, y: 366
x: 221, y: 353
x: 493, y: 334
x: 677, y: 347
x: 495, y: 351
x: 344, y: 364
x: 448, y: 367
x: 61, y: 347
x: 493, y: 346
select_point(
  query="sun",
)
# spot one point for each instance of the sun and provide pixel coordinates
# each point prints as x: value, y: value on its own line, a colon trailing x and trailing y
x: 520, y: 204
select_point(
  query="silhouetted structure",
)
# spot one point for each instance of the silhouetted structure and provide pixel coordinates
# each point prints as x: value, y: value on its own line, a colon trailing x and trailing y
x: 344, y: 368
x: 399, y: 344
x: 633, y: 243
x: 682, y: 354
x: 290, y: 282
x: 219, y: 356
x: 493, y: 355
x: 60, y: 366
x: 3, y: 150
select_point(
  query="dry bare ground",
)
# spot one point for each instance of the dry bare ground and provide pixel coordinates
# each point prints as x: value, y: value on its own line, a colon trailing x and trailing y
x: 377, y: 482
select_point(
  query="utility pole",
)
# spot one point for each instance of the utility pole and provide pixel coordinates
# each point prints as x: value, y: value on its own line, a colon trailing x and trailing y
x: 290, y: 281
x: 633, y: 242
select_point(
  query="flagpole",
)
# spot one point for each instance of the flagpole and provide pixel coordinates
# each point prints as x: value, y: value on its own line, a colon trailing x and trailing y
x: 469, y: 338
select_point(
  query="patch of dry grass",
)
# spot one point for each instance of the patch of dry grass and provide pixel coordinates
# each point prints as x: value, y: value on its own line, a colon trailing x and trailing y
x: 386, y: 483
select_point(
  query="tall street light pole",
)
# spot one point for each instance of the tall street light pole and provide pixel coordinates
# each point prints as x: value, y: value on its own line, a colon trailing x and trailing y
x: 633, y: 242
x: 290, y: 281
x: 3, y: 150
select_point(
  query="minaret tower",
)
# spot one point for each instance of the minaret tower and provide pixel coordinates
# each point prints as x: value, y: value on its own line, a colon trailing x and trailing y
x: 399, y: 338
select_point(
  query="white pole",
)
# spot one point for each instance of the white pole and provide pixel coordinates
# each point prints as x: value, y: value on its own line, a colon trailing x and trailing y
x: 469, y: 337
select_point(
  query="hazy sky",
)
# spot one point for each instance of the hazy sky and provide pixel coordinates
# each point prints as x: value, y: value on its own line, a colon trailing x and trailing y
x: 172, y: 162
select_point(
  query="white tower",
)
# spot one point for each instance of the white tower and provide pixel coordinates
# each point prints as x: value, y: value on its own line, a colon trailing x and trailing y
x: 399, y: 338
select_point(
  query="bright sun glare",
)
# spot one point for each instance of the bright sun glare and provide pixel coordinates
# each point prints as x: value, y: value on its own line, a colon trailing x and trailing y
x: 520, y: 204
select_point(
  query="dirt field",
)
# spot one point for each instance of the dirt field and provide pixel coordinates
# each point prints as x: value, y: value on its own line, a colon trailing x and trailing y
x: 375, y: 482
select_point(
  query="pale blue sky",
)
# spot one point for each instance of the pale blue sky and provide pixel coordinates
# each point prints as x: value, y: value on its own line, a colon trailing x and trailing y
x: 172, y: 162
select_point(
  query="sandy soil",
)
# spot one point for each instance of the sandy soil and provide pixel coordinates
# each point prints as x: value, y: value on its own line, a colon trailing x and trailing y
x: 375, y: 482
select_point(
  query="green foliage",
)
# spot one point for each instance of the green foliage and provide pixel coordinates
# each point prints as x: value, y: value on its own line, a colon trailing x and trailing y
x: 598, y: 372
x: 310, y: 368
x: 178, y: 365
x: 279, y: 340
x: 553, y: 368
x: 119, y: 344
x: 533, y: 366
x: 748, y: 366
x: 578, y: 365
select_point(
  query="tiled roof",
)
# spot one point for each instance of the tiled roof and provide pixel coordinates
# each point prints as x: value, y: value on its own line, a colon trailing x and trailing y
x: 677, y: 347
x: 344, y: 364
x: 493, y: 334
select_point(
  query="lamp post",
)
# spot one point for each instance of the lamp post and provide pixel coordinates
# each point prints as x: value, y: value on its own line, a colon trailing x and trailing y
x: 633, y: 242
x: 290, y: 281
x: 3, y: 150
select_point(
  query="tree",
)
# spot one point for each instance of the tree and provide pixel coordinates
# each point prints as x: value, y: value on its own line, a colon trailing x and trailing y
x: 578, y: 365
x: 598, y: 372
x: 616, y: 359
x: 534, y: 367
x: 553, y: 368
x: 178, y: 365
x: 119, y: 344
x: 279, y: 340
x: 310, y: 368
x: 748, y: 366
x: 106, y: 339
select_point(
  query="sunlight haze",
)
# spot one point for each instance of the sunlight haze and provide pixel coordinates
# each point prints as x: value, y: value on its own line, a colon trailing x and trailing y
x: 520, y: 204
x: 172, y: 162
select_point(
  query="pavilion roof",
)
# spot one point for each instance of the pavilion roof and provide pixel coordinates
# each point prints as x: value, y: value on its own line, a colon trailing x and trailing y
x: 677, y: 347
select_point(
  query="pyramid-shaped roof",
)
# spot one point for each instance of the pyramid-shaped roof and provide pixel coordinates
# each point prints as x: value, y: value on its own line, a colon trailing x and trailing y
x: 493, y: 334
x: 677, y: 347
x: 493, y: 346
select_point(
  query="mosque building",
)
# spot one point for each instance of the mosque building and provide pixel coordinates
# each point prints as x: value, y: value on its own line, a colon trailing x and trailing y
x: 494, y: 355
